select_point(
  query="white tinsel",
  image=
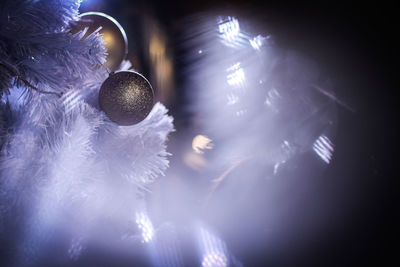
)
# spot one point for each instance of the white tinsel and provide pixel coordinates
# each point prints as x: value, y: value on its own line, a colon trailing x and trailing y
x: 64, y: 165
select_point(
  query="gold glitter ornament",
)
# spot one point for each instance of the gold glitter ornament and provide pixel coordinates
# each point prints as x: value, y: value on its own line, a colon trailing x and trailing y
x: 126, y: 97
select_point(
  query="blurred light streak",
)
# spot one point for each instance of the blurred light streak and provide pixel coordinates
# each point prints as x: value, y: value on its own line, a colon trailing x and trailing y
x: 234, y: 67
x: 70, y: 99
x: 256, y: 42
x: 232, y: 99
x: 324, y: 148
x: 276, y: 167
x: 241, y: 112
x: 213, y: 250
x: 161, y: 61
x: 201, y: 142
x: 236, y: 76
x: 229, y: 29
x: 75, y: 249
x: 286, y: 146
x: 156, y: 47
x: 144, y: 224
x: 231, y: 35
x: 168, y: 246
x: 287, y: 151
x: 333, y: 97
x: 214, y: 260
x: 273, y: 99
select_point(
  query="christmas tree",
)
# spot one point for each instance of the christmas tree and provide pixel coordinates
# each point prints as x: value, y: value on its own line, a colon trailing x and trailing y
x: 65, y: 167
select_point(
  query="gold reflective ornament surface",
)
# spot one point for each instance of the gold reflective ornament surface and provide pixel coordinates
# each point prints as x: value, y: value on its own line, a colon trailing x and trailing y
x: 114, y: 35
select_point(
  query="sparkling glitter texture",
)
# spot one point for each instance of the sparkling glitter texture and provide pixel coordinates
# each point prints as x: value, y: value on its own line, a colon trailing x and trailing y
x: 126, y: 97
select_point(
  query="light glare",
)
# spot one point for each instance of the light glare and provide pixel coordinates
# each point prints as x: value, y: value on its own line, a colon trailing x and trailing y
x: 324, y: 148
x: 144, y: 224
